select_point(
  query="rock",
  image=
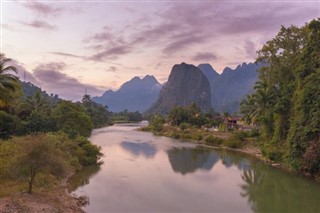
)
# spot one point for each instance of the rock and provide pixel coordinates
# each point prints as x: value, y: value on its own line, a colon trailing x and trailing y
x: 186, y: 85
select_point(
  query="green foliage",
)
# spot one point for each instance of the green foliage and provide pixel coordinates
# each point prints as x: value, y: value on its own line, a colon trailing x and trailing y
x: 38, y: 155
x: 7, y: 126
x: 212, y: 140
x: 157, y: 123
x: 87, y: 153
x: 34, y: 156
x: 10, y: 86
x: 72, y: 119
x: 37, y: 122
x: 126, y: 116
x: 236, y: 140
x: 98, y: 114
x: 311, y: 158
x: 184, y: 126
x: 187, y: 114
x: 286, y: 102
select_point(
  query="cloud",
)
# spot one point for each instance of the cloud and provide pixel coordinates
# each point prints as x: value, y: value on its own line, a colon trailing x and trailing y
x: 182, y: 43
x: 22, y: 73
x: 50, y: 77
x: 67, y: 55
x: 204, y: 57
x: 111, y: 53
x: 112, y: 69
x: 40, y: 25
x: 43, y: 9
x: 7, y: 27
x: 195, y: 24
x: 250, y: 49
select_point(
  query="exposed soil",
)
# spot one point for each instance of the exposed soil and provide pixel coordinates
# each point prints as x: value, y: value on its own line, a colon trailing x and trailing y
x: 58, y: 200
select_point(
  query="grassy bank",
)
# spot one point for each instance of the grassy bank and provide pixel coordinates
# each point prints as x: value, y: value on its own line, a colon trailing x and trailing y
x: 242, y: 141
x: 235, y: 140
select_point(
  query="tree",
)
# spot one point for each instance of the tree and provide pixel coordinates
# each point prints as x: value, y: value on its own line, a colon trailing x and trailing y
x: 39, y: 155
x: 72, y: 119
x: 9, y: 83
x: 286, y: 101
x: 7, y: 126
x: 99, y: 114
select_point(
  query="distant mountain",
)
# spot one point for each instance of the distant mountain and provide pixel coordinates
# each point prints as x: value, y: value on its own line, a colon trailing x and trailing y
x: 186, y: 85
x: 134, y: 95
x: 229, y: 88
x: 208, y: 71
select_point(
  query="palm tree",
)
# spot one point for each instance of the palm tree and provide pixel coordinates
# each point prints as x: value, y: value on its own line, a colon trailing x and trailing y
x: 9, y: 82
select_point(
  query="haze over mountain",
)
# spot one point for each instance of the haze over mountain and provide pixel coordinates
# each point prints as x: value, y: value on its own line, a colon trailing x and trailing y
x: 186, y: 85
x: 138, y: 94
x: 229, y: 88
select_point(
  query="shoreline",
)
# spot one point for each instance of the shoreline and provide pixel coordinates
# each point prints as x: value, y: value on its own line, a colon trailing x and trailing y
x: 253, y: 151
x: 57, y: 199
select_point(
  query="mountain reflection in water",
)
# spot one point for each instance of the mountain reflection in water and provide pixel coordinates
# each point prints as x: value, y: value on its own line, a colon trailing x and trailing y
x: 146, y: 149
x: 186, y: 160
x: 147, y: 173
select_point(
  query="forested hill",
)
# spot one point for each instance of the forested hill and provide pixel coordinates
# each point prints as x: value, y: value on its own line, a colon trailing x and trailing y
x: 30, y: 89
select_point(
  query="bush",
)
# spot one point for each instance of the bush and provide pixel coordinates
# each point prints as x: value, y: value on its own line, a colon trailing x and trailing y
x: 197, y: 137
x: 157, y: 123
x: 6, y: 125
x: 184, y: 126
x: 212, y: 140
x: 311, y: 158
x: 175, y: 135
x: 272, y: 152
x: 234, y: 144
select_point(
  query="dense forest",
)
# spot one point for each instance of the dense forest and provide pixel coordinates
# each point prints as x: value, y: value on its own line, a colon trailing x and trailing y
x: 286, y: 102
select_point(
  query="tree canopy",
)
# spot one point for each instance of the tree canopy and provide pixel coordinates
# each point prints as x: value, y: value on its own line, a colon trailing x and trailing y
x: 286, y: 101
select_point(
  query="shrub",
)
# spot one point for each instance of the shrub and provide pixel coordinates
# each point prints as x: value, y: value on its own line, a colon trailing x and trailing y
x: 212, y: 140
x: 197, y: 137
x: 235, y: 144
x: 6, y: 125
x: 184, y: 126
x: 311, y: 158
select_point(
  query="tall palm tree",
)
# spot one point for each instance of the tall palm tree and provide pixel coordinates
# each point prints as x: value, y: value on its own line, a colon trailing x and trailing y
x: 9, y: 83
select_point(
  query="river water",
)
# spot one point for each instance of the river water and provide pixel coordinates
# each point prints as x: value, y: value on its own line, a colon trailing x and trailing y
x: 146, y: 173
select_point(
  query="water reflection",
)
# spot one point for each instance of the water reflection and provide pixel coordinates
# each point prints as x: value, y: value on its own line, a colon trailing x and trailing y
x: 146, y: 149
x: 82, y: 177
x: 269, y: 190
x: 237, y: 159
x: 232, y: 181
x: 186, y: 160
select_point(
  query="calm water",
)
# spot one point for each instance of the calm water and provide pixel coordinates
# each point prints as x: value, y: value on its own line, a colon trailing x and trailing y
x: 146, y: 173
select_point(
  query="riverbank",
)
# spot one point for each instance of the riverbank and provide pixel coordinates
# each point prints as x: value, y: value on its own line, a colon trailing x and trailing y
x: 235, y: 141
x: 53, y: 199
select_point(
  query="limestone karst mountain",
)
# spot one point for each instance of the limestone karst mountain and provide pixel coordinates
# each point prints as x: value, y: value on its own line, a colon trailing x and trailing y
x: 229, y: 88
x: 186, y: 85
x: 138, y: 94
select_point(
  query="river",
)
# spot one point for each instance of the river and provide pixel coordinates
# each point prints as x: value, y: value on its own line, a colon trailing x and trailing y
x: 146, y: 173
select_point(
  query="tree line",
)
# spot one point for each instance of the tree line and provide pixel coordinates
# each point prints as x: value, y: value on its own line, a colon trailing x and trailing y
x: 41, y: 135
x: 286, y: 102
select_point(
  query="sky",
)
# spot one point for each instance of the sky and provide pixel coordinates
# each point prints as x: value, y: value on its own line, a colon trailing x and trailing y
x: 67, y: 46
